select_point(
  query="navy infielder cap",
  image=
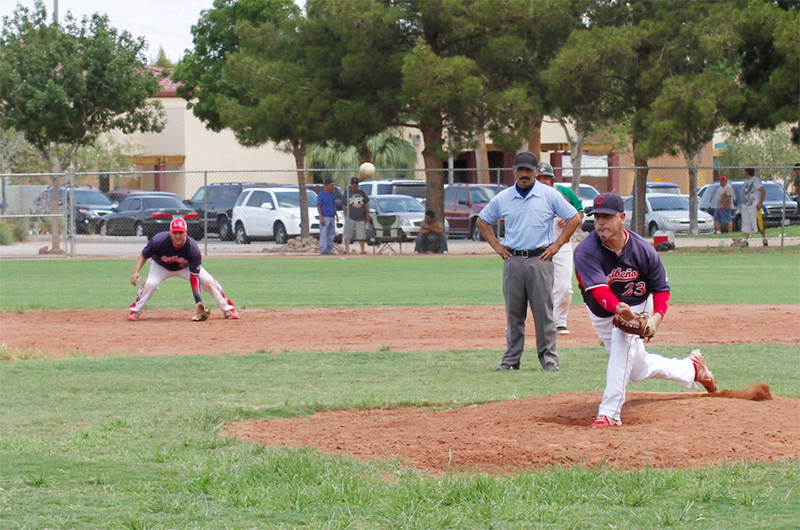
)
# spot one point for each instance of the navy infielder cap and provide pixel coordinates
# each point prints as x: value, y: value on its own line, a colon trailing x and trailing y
x: 527, y: 160
x: 609, y: 203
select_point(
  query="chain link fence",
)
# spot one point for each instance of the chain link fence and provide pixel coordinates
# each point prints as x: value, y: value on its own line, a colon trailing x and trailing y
x: 258, y: 212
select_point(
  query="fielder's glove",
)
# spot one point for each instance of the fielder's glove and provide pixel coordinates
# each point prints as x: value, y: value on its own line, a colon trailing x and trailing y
x: 641, y: 325
x: 201, y: 312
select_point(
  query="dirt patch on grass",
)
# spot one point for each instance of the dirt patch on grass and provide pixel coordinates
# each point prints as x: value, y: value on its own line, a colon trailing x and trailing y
x: 660, y: 429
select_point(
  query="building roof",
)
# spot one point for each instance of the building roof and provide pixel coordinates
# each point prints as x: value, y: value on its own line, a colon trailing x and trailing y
x: 169, y: 87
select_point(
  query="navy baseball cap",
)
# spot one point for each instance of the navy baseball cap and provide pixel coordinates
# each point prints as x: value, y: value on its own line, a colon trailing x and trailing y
x: 526, y: 159
x: 609, y: 203
x: 354, y: 180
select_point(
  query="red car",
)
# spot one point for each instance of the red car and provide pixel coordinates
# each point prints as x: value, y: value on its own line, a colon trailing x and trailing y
x: 463, y: 203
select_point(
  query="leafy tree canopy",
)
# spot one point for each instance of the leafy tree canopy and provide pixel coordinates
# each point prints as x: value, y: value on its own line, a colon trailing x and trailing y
x: 67, y: 85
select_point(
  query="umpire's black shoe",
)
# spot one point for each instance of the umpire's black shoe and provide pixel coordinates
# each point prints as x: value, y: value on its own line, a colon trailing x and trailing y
x: 507, y: 367
x: 551, y: 367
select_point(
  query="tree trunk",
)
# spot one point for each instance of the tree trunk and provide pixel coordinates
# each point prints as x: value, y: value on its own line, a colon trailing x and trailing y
x: 535, y: 142
x: 576, y: 153
x: 640, y: 187
x: 55, y: 224
x: 434, y: 197
x: 299, y: 152
x: 482, y: 159
x: 693, y: 161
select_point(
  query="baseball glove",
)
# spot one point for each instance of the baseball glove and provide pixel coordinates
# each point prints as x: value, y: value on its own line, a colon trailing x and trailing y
x: 641, y: 325
x: 201, y: 312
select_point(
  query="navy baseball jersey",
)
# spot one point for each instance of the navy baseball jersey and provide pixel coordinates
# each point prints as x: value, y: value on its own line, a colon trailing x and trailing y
x: 633, y: 275
x: 160, y: 250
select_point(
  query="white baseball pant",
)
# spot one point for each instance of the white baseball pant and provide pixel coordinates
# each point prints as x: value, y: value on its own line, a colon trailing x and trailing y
x: 158, y: 274
x: 562, y: 284
x: 628, y: 361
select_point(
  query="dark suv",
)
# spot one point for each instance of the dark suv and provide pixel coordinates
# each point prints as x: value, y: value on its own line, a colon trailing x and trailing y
x: 90, y: 206
x: 463, y: 203
x: 215, y: 204
x: 771, y: 210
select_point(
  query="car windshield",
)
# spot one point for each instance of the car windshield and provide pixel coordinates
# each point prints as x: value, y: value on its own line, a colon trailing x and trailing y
x: 483, y: 194
x: 399, y: 204
x: 775, y: 193
x: 415, y: 190
x: 291, y: 198
x: 163, y: 202
x: 93, y: 197
x: 676, y: 203
x: 588, y: 194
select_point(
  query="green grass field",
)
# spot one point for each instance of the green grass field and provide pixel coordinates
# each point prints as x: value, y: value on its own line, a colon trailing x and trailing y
x: 133, y: 443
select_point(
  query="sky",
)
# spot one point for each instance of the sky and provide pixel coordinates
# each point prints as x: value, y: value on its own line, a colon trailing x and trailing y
x: 163, y: 23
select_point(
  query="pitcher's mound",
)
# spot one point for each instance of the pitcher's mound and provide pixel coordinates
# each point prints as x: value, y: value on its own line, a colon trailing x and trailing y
x: 659, y: 429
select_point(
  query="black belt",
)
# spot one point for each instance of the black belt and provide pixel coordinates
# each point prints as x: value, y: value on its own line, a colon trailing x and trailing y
x: 529, y: 253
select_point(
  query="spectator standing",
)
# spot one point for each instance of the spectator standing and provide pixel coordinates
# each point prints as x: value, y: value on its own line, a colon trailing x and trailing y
x: 527, y: 209
x: 431, y: 237
x: 562, y: 261
x: 724, y: 210
x: 356, y: 208
x: 796, y: 181
x: 326, y: 207
x: 753, y: 194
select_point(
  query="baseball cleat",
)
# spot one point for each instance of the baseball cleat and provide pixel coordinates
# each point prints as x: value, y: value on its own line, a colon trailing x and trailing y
x: 232, y: 314
x: 702, y: 374
x: 605, y: 421
x: 562, y: 330
x: 133, y: 316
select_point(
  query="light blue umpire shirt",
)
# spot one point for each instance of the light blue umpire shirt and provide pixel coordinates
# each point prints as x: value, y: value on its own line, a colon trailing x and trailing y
x: 528, y: 220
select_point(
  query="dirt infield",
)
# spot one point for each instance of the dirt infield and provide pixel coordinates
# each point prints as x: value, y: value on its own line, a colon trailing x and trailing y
x: 660, y: 429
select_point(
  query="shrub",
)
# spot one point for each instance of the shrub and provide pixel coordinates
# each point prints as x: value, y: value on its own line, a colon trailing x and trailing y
x: 6, y: 234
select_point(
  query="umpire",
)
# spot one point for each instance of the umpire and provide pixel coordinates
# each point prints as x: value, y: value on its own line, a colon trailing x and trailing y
x: 528, y: 209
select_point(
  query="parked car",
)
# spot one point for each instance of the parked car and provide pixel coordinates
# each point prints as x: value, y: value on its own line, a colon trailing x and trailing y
x: 148, y: 214
x: 414, y: 188
x: 772, y: 209
x: 215, y: 204
x: 463, y: 203
x: 338, y: 193
x: 119, y: 195
x: 586, y: 193
x: 273, y: 213
x: 408, y: 208
x: 667, y: 211
x: 89, y: 204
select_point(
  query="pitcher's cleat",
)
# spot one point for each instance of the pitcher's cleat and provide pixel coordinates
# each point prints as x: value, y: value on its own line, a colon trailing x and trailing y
x: 133, y: 316
x: 232, y: 314
x: 702, y: 374
x: 605, y: 421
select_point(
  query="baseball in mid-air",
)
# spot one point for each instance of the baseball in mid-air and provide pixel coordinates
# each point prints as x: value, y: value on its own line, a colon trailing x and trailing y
x: 367, y: 169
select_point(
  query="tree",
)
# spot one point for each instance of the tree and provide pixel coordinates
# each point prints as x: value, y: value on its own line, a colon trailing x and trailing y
x: 200, y: 70
x: 386, y: 150
x: 475, y: 66
x: 769, y: 66
x: 64, y: 86
x: 629, y: 66
x: 162, y: 61
x: 770, y: 147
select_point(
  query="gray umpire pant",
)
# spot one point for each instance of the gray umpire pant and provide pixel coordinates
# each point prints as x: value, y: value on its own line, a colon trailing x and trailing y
x: 529, y: 281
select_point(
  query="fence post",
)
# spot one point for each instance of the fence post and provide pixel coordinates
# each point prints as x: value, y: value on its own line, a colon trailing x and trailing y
x: 71, y: 214
x: 205, y: 214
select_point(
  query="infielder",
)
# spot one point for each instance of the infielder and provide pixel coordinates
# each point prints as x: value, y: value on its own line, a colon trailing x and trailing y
x: 174, y: 253
x: 620, y: 273
x: 562, y: 261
